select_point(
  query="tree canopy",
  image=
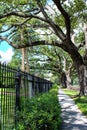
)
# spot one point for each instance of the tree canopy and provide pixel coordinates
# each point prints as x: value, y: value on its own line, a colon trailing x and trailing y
x: 48, y: 23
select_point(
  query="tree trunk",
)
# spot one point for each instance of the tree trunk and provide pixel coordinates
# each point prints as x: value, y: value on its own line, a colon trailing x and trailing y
x: 68, y: 81
x: 63, y: 80
x: 25, y: 61
x: 82, y: 69
x: 85, y: 57
x: 66, y: 75
x: 79, y: 64
x: 82, y: 75
x: 81, y: 79
x: 23, y: 57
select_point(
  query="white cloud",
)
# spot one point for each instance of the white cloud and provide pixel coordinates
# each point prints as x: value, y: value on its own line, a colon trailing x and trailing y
x: 6, y: 57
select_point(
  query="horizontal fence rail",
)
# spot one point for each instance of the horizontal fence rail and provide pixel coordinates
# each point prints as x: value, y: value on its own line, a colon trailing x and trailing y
x: 15, y: 85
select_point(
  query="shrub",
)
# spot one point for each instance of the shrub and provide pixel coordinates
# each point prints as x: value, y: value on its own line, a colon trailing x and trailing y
x: 40, y: 113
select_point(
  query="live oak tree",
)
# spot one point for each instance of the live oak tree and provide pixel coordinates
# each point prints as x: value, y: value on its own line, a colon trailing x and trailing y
x: 58, y: 20
x: 44, y: 63
x: 59, y: 63
x: 53, y: 60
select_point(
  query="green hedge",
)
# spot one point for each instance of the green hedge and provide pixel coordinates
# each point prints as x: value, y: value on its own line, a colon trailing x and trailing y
x: 41, y: 112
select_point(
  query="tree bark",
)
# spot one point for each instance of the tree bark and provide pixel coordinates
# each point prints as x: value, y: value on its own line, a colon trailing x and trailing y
x: 67, y: 73
x: 63, y: 80
x: 85, y: 58
x: 68, y: 77
x: 23, y: 57
x: 81, y: 79
x: 25, y: 62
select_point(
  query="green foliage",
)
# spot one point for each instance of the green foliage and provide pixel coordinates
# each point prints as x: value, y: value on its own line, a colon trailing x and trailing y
x: 54, y: 90
x: 41, y: 112
x: 16, y: 59
x: 70, y: 92
x: 15, y: 1
x: 82, y: 104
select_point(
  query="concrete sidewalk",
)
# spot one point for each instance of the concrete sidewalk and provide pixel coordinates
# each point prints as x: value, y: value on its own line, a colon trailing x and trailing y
x: 72, y: 117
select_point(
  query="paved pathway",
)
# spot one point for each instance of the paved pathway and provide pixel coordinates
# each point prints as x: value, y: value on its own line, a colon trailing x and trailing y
x: 72, y: 117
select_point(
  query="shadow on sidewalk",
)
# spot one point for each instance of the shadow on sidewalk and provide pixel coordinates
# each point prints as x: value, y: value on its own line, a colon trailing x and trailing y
x: 72, y: 117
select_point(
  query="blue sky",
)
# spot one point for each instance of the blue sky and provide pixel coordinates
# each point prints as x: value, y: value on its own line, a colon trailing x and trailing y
x: 6, y: 52
x: 4, y: 46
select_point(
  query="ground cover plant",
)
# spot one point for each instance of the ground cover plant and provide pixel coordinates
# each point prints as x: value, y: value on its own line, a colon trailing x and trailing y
x: 41, y: 112
x: 81, y: 102
x: 71, y: 92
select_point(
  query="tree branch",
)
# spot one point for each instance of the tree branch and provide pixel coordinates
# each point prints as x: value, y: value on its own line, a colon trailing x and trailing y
x: 19, y: 14
x: 2, y: 31
x: 8, y: 41
x: 36, y: 43
x: 58, y: 55
x: 73, y: 35
x: 55, y: 27
x: 38, y: 25
x: 66, y: 17
x: 81, y: 45
x: 21, y: 24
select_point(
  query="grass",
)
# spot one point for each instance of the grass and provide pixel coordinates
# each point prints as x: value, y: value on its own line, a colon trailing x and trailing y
x: 70, y: 92
x: 81, y: 102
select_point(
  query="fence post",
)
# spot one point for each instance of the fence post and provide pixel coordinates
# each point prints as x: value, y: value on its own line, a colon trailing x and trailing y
x: 18, y: 81
x: 30, y: 86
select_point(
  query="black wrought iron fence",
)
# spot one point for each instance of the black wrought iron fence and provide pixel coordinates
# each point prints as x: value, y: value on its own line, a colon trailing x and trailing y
x: 15, y: 85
